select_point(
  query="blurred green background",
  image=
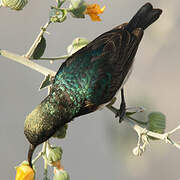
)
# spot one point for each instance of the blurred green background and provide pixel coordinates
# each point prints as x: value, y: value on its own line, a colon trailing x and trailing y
x: 96, y: 146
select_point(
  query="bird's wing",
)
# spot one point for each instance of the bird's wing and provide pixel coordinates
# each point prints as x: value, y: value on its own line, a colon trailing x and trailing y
x: 99, y: 69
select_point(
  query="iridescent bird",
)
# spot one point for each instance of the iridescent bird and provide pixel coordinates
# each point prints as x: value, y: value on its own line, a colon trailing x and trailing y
x: 90, y: 78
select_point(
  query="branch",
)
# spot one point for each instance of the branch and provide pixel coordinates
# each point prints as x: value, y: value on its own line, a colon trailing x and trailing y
x: 25, y: 61
x: 55, y: 58
x: 144, y: 134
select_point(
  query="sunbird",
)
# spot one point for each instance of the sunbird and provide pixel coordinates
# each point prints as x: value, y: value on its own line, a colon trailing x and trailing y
x: 89, y: 78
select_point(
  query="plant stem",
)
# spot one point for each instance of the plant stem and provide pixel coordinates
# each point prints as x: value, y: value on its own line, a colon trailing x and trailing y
x: 36, y: 42
x: 45, y: 160
x: 54, y: 58
x: 27, y: 62
x: 135, y: 126
x: 174, y: 130
x: 140, y: 122
x: 37, y: 157
x: 140, y: 130
x: 60, y: 3
x: 41, y: 153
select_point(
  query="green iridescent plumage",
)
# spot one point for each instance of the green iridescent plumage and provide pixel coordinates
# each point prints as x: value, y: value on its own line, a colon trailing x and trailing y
x: 89, y: 78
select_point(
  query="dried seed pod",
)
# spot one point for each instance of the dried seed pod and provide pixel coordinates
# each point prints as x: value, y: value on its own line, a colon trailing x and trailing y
x: 14, y: 4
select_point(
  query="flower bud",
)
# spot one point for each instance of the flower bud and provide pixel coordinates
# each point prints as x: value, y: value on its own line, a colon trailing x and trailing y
x: 14, y: 4
x: 24, y: 172
x: 54, y: 154
x: 77, y: 8
x: 57, y: 15
x: 77, y: 44
x: 156, y: 122
x: 60, y: 175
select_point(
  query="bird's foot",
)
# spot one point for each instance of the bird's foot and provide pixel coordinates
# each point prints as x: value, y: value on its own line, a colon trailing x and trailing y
x: 121, y: 112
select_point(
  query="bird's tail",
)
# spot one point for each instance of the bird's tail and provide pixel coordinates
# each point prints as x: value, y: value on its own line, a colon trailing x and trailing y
x: 145, y: 16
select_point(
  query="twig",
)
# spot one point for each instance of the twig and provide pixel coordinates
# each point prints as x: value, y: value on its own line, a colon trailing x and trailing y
x: 174, y: 130
x: 27, y: 62
x: 41, y: 153
x: 141, y: 130
x: 146, y: 133
x: 38, y: 39
x: 139, y: 122
x: 37, y: 157
x: 54, y: 58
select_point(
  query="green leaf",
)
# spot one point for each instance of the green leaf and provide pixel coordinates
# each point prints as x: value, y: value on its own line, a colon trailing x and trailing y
x: 46, y: 82
x: 57, y: 15
x: 156, y: 122
x: 60, y: 3
x: 39, y: 51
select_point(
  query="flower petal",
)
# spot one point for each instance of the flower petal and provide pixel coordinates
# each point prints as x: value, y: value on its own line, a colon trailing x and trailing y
x: 94, y: 17
x: 24, y: 172
x: 93, y: 10
x: 102, y: 9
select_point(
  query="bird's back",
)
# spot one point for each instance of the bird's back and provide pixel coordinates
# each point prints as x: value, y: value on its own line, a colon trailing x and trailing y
x: 96, y: 72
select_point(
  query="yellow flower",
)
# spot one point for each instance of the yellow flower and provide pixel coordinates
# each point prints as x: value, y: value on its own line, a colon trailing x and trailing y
x: 24, y: 172
x: 93, y: 10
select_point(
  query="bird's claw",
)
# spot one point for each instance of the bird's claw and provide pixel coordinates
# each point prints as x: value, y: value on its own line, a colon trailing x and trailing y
x: 121, y: 112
